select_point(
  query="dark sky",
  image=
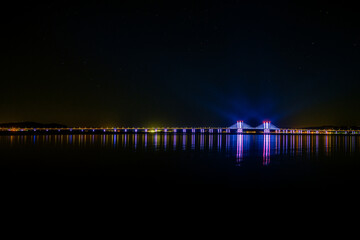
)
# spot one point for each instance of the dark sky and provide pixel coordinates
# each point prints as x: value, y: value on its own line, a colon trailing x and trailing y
x: 209, y: 63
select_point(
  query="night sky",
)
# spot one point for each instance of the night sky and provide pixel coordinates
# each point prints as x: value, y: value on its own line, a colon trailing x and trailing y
x: 209, y: 63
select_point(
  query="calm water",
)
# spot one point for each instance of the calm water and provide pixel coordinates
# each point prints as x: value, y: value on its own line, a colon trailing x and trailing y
x: 187, y: 161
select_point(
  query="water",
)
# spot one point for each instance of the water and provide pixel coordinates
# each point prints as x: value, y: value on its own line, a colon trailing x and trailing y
x: 184, y: 161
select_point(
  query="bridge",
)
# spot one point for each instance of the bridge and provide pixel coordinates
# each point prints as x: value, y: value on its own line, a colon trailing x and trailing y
x: 238, y: 128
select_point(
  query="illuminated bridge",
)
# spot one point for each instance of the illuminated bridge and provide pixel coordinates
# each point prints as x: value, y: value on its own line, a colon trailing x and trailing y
x: 238, y: 128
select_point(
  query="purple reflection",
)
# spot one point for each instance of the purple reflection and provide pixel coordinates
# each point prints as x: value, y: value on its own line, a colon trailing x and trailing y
x: 219, y: 142
x: 239, y: 149
x: 211, y: 140
x: 266, y: 150
x: 155, y: 140
x: 174, y: 142
x: 146, y: 136
x: 202, y: 142
x: 193, y: 141
x: 184, y: 142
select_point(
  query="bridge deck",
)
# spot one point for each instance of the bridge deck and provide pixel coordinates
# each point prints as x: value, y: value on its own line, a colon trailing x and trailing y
x: 225, y: 130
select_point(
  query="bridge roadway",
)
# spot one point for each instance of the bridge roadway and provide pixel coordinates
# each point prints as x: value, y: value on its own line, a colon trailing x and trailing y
x: 205, y: 130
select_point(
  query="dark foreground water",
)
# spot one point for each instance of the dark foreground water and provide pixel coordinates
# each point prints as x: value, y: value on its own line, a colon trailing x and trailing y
x: 168, y: 162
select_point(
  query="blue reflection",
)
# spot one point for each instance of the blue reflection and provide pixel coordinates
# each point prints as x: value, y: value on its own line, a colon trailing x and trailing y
x: 227, y: 142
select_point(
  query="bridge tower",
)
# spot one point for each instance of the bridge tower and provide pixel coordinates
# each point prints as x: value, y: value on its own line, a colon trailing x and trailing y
x: 266, y: 126
x: 239, y: 126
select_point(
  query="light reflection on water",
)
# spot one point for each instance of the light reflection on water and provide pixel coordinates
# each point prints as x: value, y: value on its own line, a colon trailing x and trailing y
x: 238, y: 146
